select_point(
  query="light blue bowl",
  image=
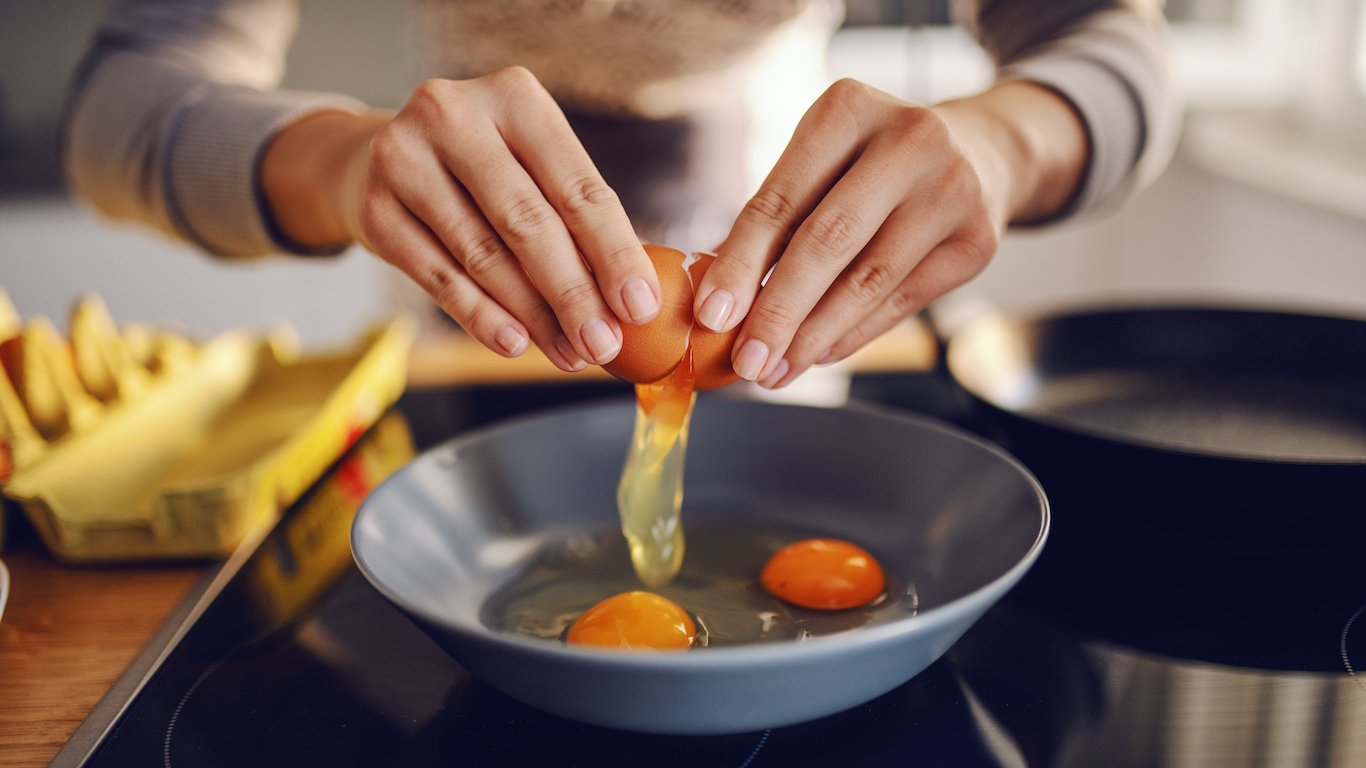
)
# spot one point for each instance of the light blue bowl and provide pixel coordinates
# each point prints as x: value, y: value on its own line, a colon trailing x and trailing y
x: 952, y: 513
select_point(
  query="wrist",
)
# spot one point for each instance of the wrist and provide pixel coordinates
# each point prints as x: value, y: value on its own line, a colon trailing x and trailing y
x: 311, y: 176
x: 1031, y: 147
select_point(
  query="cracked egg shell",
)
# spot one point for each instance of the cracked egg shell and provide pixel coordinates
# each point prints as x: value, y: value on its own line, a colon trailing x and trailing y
x: 651, y: 351
x: 710, y: 351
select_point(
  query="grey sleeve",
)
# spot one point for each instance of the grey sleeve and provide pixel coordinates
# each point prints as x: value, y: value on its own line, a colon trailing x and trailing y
x: 171, y: 109
x: 1109, y: 59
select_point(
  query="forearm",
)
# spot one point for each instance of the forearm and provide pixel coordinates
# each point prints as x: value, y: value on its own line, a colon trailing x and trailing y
x: 167, y: 119
x: 311, y: 177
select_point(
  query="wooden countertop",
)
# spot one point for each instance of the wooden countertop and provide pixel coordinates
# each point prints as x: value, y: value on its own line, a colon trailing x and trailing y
x: 69, y: 632
x: 455, y: 359
x: 66, y: 635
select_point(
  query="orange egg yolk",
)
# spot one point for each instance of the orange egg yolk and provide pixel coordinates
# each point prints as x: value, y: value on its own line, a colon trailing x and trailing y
x: 634, y: 621
x: 825, y: 574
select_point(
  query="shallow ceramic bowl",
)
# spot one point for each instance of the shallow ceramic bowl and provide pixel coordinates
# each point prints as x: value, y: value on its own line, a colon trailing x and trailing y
x: 953, y: 514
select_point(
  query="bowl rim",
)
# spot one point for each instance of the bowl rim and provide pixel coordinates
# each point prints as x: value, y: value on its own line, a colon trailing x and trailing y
x: 729, y: 657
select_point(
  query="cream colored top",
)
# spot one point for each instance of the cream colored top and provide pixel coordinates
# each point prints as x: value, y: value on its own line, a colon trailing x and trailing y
x: 176, y: 101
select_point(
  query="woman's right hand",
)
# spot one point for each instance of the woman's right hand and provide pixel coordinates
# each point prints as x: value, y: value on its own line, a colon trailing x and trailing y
x: 480, y: 192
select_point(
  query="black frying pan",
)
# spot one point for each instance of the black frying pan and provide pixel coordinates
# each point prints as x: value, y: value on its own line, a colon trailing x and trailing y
x: 1206, y: 468
x: 1207, y: 425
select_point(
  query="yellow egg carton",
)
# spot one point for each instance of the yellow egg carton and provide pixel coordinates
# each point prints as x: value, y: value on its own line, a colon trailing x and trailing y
x: 136, y: 443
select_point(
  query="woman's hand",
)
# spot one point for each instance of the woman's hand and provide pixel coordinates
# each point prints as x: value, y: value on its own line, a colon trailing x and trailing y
x: 480, y: 192
x: 877, y: 207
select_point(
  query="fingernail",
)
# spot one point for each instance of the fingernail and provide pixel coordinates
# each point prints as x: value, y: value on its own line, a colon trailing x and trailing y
x: 716, y: 310
x: 775, y: 378
x: 571, y: 358
x: 640, y: 300
x: 511, y: 340
x: 828, y: 356
x: 751, y: 360
x: 601, y: 342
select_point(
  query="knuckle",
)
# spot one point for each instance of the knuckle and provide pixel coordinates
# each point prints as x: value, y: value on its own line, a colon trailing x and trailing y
x: 906, y: 300
x: 433, y: 104
x: 731, y: 274
x: 386, y: 150
x: 442, y: 285
x: 542, y: 317
x: 852, y: 340
x: 831, y: 232
x: 588, y: 193
x: 918, y: 125
x: 431, y: 100
x: 432, y: 88
x: 804, y: 347
x: 483, y: 255
x: 771, y: 206
x: 846, y: 95
x: 870, y: 281
x: 527, y: 218
x: 478, y: 318
x: 915, y: 132
x: 426, y: 92
x: 574, y: 298
x: 517, y: 81
x: 775, y: 315
x: 842, y: 105
x: 974, y: 244
x: 981, y: 246
x: 962, y: 179
x: 617, y: 258
x: 372, y: 214
x: 515, y: 74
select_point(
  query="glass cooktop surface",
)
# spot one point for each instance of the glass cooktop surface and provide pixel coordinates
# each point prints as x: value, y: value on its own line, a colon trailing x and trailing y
x: 1114, y: 651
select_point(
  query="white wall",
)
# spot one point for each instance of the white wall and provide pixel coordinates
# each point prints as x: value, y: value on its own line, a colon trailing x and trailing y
x: 52, y: 252
x: 1193, y: 234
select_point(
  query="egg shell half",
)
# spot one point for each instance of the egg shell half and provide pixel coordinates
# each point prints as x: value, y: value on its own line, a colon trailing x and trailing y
x: 710, y: 351
x: 651, y: 351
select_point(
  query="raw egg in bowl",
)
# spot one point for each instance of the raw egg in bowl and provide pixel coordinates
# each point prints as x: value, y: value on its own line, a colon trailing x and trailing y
x: 473, y: 541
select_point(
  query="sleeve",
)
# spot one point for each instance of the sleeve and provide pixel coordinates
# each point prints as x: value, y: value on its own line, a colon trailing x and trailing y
x: 1110, y: 60
x: 171, y: 110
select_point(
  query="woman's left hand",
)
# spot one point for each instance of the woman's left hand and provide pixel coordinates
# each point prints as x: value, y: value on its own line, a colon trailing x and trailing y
x: 877, y: 207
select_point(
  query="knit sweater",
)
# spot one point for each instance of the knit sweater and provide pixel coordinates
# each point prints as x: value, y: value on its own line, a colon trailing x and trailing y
x: 177, y: 100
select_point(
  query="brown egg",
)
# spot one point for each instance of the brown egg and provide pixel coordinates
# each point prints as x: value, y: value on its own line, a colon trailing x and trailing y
x: 710, y: 351
x: 652, y: 351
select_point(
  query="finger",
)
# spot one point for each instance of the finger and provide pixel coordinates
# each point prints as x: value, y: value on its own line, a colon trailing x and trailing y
x: 948, y: 266
x: 397, y: 236
x: 422, y: 185
x: 533, y: 231
x: 818, y: 154
x: 914, y: 229
x: 540, y: 137
x: 839, y: 228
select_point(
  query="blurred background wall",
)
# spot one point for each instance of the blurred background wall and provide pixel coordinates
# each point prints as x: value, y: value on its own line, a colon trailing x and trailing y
x: 1265, y: 201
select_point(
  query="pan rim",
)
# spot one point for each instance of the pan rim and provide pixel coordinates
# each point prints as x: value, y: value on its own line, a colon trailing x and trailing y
x: 1119, y: 437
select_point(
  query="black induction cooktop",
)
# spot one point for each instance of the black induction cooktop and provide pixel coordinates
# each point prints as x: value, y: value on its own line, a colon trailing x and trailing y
x: 1114, y: 651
